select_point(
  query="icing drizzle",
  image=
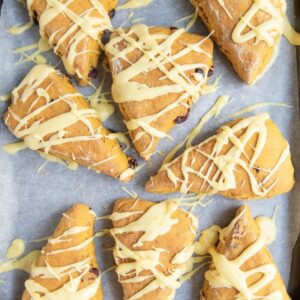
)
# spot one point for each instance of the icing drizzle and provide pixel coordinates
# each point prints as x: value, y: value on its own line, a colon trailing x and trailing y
x: 156, y: 52
x: 132, y: 4
x: 270, y: 29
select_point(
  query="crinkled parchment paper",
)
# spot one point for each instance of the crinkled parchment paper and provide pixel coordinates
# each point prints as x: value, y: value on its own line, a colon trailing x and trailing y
x: 31, y: 202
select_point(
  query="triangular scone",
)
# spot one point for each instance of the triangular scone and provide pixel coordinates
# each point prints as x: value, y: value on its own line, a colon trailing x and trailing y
x: 51, y: 116
x: 154, y: 245
x: 242, y: 266
x: 74, y: 30
x: 246, y: 159
x: 67, y: 267
x: 248, y: 32
x: 157, y: 75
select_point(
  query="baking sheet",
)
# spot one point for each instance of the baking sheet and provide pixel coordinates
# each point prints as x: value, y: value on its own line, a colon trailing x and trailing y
x: 31, y: 202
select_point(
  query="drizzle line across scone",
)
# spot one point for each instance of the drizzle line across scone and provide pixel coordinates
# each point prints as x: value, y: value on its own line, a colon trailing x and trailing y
x: 52, y: 117
x: 248, y: 32
x: 246, y: 159
x: 154, y: 246
x: 158, y: 73
x: 67, y: 267
x: 242, y: 266
x: 74, y: 29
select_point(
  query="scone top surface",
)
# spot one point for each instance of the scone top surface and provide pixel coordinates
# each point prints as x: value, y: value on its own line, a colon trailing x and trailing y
x: 154, y: 245
x: 51, y: 116
x: 67, y: 267
x: 158, y: 73
x: 246, y: 159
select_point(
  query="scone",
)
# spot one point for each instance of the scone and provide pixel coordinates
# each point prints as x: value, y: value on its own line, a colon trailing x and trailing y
x: 154, y: 246
x: 246, y: 159
x: 248, y: 32
x: 242, y: 266
x: 75, y: 30
x: 158, y: 73
x: 67, y: 267
x: 52, y: 117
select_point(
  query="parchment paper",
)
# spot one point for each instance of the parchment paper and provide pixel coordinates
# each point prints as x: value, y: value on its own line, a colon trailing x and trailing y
x: 31, y: 202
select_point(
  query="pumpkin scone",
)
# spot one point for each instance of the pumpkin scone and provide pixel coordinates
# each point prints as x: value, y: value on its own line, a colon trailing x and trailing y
x: 52, y: 117
x: 158, y: 73
x: 67, y: 267
x: 75, y: 30
x: 246, y: 159
x: 154, y: 247
x: 242, y: 266
x: 248, y: 32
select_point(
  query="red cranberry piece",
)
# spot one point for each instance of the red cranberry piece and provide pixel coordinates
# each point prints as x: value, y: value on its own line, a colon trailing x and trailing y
x: 132, y: 163
x: 93, y: 73
x: 210, y: 72
x: 112, y: 13
x: 106, y: 36
x: 181, y: 119
x: 95, y: 271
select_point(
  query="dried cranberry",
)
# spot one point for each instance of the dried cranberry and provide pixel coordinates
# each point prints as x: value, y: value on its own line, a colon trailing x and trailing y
x: 210, y: 72
x: 112, y: 13
x: 199, y: 71
x: 93, y: 73
x: 181, y: 119
x: 132, y: 163
x: 106, y: 36
x: 35, y: 18
x: 94, y: 271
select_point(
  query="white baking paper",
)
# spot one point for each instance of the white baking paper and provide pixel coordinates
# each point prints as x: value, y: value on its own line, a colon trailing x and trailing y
x: 31, y: 202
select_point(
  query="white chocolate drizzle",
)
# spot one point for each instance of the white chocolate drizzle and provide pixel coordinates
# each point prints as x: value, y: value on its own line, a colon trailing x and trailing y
x: 155, y: 222
x: 5, y: 97
x: 155, y: 56
x: 224, y: 177
x: 19, y: 29
x: 36, y: 56
x: 24, y: 263
x: 133, y: 4
x: 256, y: 106
x: 90, y: 23
x: 228, y: 273
x: 16, y: 249
x: 223, y: 5
x: 270, y: 29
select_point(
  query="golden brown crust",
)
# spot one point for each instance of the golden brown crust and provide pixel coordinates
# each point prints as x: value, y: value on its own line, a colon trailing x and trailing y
x: 243, y: 234
x: 78, y: 215
x: 249, y: 59
x: 133, y: 110
x: 174, y: 241
x: 90, y: 48
x: 272, y: 150
x: 86, y: 153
